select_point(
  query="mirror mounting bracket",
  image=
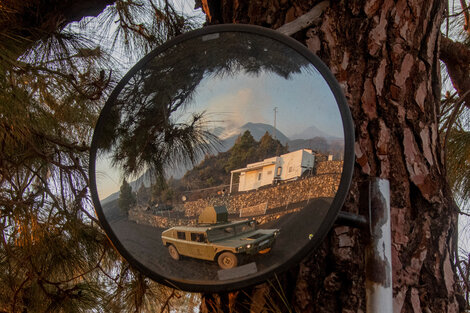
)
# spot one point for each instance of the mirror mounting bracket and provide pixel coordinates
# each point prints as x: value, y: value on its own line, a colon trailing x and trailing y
x: 352, y: 220
x: 378, y: 255
x: 372, y: 199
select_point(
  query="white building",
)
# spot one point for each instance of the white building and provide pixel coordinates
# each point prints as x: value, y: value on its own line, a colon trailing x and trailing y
x: 288, y: 166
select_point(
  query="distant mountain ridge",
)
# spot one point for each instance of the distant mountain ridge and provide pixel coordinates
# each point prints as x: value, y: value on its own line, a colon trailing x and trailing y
x: 310, y: 138
x: 312, y: 132
x: 257, y: 130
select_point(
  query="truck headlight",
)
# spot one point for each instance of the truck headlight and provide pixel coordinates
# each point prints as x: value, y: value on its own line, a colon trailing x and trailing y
x: 248, y: 246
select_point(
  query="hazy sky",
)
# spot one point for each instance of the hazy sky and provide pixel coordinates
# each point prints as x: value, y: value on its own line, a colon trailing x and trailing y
x: 108, y: 179
x: 304, y: 100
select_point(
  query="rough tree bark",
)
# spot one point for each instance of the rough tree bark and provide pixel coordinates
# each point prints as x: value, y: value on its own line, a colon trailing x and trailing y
x: 385, y: 55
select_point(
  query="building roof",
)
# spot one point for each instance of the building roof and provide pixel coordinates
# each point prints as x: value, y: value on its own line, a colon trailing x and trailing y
x: 265, y: 162
x: 253, y: 166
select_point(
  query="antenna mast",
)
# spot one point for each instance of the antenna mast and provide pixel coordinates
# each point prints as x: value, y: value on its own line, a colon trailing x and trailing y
x: 275, y: 112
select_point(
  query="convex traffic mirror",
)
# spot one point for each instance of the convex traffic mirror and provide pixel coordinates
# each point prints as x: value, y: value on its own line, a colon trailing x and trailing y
x: 221, y: 158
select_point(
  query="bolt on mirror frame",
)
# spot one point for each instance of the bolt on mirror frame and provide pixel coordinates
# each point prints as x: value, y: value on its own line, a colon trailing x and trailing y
x: 341, y: 193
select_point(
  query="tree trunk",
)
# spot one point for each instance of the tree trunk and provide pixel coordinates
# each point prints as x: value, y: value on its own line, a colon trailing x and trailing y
x: 385, y: 56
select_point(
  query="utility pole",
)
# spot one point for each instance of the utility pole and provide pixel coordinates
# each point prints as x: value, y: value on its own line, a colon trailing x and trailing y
x: 275, y: 112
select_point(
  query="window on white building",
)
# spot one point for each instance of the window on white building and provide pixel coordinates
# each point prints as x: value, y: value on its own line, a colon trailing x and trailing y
x: 259, y: 176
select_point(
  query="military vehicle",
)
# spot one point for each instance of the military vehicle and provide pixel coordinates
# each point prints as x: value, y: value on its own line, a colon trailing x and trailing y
x: 217, y: 239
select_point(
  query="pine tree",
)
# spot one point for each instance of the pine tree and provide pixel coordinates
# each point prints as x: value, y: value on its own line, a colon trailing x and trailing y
x: 127, y: 198
x: 242, y: 152
x: 53, y: 256
x: 269, y: 147
x: 54, y: 78
x: 143, y: 195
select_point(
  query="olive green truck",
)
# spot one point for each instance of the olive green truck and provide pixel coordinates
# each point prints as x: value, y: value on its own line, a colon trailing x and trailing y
x: 220, y: 241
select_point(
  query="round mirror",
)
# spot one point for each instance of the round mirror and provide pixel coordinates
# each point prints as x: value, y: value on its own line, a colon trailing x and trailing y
x: 222, y: 157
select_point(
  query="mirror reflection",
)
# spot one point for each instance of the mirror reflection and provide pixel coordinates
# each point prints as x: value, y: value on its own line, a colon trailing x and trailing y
x: 219, y: 158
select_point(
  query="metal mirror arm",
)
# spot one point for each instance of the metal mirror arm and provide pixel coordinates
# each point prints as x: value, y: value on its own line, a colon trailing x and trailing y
x: 357, y: 220
x: 352, y: 220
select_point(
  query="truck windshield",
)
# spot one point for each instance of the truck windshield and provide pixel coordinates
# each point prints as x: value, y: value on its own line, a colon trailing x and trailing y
x: 230, y: 231
x: 243, y: 228
x: 220, y: 233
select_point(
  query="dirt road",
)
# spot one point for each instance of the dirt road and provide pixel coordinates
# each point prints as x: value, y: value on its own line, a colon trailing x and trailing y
x: 144, y: 243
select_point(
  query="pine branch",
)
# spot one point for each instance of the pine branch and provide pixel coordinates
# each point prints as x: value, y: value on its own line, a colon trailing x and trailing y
x: 456, y: 57
x: 62, y: 143
x: 80, y: 275
x: 451, y: 120
x: 465, y: 10
x: 23, y: 23
x: 166, y: 305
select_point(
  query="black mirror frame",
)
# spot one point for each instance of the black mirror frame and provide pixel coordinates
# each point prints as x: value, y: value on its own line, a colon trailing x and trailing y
x: 346, y: 176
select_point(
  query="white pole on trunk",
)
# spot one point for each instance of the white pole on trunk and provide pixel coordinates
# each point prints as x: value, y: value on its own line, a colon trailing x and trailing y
x: 379, y: 293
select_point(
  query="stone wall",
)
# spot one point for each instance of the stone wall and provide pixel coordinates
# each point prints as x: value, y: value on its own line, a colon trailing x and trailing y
x: 324, y: 184
x: 146, y: 218
x: 162, y: 221
x: 327, y: 167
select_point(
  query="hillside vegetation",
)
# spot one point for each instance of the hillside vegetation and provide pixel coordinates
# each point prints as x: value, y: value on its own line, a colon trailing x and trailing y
x: 215, y: 170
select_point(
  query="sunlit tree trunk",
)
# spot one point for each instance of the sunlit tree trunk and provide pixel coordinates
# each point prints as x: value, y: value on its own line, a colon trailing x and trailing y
x: 385, y: 56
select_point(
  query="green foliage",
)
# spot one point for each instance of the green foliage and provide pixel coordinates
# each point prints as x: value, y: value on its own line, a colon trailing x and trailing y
x: 168, y: 194
x: 268, y: 147
x: 455, y: 134
x: 127, y: 198
x: 143, y: 195
x: 214, y: 170
x: 54, y: 257
x: 243, y: 150
x: 458, y: 165
x: 248, y: 150
x: 164, y: 192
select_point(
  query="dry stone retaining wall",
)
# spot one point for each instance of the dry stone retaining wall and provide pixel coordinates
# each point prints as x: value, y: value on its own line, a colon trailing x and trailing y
x: 324, y: 184
x: 328, y: 167
x: 142, y: 217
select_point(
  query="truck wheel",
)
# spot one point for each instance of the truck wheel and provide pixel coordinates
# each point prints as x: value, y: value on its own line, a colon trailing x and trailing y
x: 173, y: 252
x: 227, y: 260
